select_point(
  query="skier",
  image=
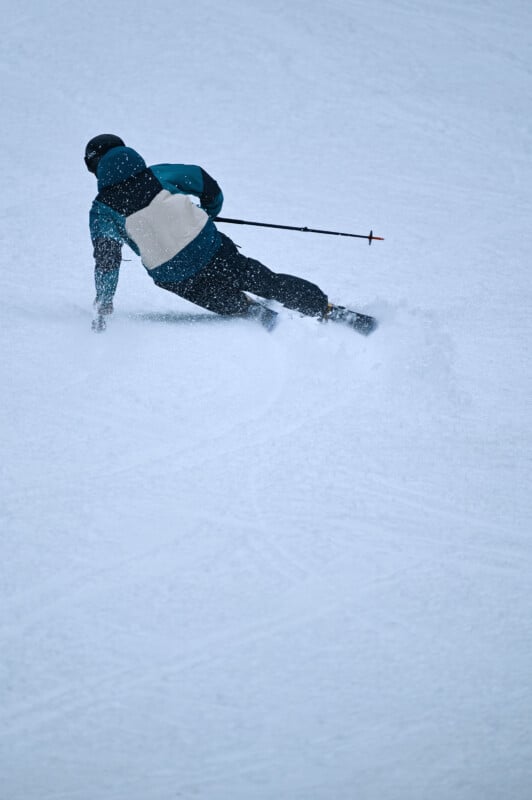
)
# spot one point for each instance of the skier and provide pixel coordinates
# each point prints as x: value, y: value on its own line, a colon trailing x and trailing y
x: 149, y: 209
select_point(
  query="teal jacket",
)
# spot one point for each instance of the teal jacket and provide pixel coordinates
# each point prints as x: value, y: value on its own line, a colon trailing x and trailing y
x: 150, y: 209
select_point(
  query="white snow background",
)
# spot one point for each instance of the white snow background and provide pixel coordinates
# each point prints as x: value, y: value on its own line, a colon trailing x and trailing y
x: 292, y: 566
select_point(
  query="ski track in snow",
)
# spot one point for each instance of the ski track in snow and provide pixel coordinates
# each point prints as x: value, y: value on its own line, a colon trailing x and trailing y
x: 295, y: 565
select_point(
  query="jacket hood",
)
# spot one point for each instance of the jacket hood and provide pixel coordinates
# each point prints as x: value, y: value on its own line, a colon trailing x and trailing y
x: 117, y: 165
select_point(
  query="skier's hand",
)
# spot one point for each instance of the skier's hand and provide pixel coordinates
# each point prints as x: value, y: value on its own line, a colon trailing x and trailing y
x: 104, y: 308
x: 98, y: 324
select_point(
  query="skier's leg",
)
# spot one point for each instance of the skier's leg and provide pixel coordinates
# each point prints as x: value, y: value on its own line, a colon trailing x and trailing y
x: 230, y: 273
x: 209, y: 289
x: 220, y: 286
x: 289, y: 290
x: 216, y: 287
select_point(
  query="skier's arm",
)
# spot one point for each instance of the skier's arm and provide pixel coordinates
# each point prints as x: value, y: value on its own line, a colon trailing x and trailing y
x: 107, y: 258
x: 107, y: 251
x: 191, y: 179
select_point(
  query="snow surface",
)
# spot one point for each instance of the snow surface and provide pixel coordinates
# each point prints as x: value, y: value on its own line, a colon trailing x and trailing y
x: 297, y: 566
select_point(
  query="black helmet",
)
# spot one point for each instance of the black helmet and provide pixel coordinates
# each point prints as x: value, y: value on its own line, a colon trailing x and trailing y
x: 98, y: 147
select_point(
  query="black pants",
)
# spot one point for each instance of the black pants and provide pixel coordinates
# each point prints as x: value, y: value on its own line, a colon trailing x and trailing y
x: 219, y: 286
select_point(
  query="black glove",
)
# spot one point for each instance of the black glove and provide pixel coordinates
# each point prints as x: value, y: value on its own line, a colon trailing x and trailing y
x: 104, y: 308
x: 98, y: 324
x: 102, y: 311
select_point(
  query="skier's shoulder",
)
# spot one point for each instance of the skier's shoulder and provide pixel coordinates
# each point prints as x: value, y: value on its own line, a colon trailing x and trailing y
x: 184, y: 177
x: 104, y: 222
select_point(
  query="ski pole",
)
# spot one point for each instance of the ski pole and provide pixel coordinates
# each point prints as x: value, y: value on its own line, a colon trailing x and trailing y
x: 369, y: 237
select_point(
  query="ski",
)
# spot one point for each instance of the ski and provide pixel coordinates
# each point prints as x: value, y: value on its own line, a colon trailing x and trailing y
x: 362, y: 323
x: 265, y: 316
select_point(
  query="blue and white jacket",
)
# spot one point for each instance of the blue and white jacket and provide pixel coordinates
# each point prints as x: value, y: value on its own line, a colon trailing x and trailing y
x: 149, y: 209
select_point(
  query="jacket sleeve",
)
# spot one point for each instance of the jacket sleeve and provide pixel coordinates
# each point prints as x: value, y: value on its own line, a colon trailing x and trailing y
x: 107, y: 252
x: 191, y: 179
x: 107, y: 258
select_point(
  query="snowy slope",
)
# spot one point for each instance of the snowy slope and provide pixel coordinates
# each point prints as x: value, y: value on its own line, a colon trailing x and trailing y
x: 292, y: 566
